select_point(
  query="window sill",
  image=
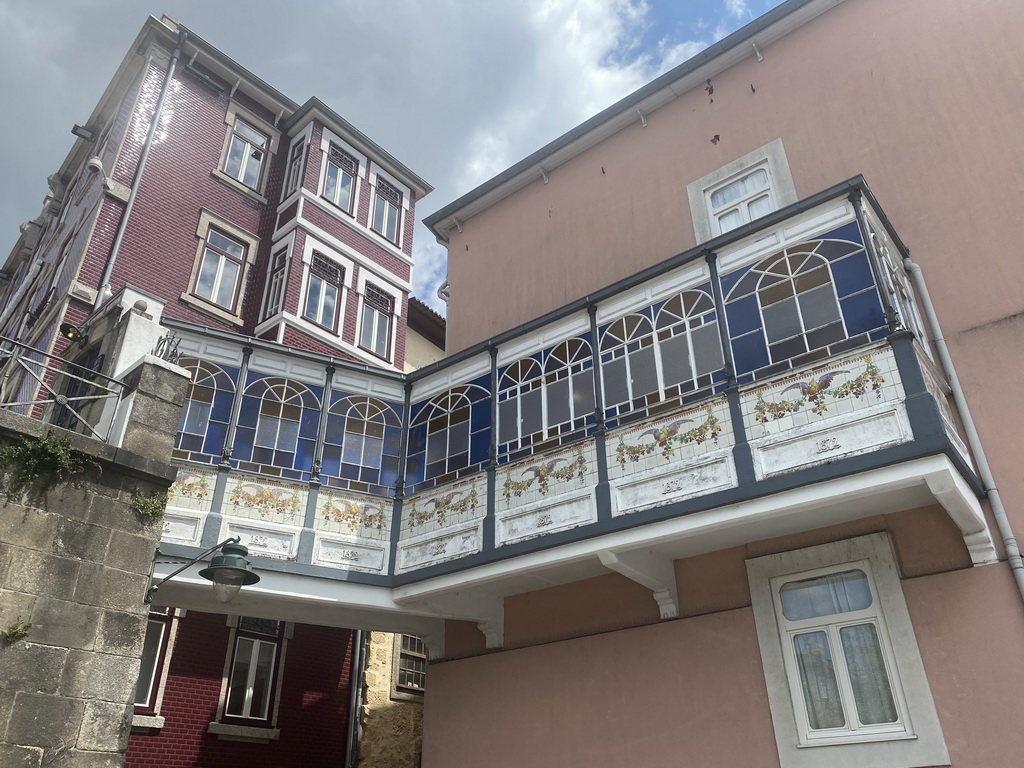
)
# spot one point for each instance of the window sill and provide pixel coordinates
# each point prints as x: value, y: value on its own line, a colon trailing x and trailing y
x: 203, y: 306
x: 238, y: 186
x: 248, y: 733
x: 150, y: 722
x: 406, y: 696
x: 873, y: 738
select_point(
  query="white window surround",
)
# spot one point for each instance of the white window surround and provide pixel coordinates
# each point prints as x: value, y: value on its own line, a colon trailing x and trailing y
x: 251, y: 242
x: 346, y: 285
x: 306, y: 137
x: 252, y: 733
x: 921, y: 742
x: 235, y: 112
x: 327, y: 138
x: 286, y: 243
x: 375, y: 171
x: 308, y: 198
x: 396, y: 312
x: 772, y: 156
x: 157, y: 720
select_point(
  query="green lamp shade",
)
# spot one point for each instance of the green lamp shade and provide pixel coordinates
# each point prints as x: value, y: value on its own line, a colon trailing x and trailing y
x: 229, y: 571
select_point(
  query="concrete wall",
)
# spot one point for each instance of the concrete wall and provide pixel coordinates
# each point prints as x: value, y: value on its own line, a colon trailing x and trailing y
x: 74, y: 563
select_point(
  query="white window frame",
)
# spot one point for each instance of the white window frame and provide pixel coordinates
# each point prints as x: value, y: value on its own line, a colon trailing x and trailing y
x: 396, y: 313
x: 327, y: 138
x: 916, y: 740
x: 377, y: 172
x: 345, y: 264
x: 143, y: 716
x: 233, y: 114
x: 771, y: 157
x: 208, y: 220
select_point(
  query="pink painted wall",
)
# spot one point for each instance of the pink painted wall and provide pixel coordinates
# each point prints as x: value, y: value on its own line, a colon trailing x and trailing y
x: 915, y: 95
x: 652, y: 696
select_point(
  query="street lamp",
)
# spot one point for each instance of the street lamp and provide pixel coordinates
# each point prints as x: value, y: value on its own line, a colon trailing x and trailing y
x: 229, y: 571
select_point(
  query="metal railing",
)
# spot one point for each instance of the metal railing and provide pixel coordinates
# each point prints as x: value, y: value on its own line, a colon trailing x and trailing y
x: 72, y: 395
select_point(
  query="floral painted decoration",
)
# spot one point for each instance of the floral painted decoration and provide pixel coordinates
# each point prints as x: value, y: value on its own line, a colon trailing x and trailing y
x: 353, y: 514
x: 816, y: 390
x: 265, y: 499
x: 664, y: 438
x: 542, y: 475
x: 440, y: 507
x: 191, y: 485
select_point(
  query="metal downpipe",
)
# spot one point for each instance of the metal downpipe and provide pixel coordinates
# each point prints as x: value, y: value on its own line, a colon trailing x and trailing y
x: 973, y: 440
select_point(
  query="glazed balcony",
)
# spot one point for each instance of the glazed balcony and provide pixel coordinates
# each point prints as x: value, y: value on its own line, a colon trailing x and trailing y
x: 773, y: 381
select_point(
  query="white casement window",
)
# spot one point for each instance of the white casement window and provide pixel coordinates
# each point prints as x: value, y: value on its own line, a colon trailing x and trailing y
x: 296, y: 165
x: 252, y: 680
x: 276, y: 283
x: 840, y: 658
x: 340, y: 175
x: 742, y: 191
x: 387, y: 210
x: 323, y: 291
x: 154, y: 649
x: 220, y: 269
x: 378, y: 309
x: 410, y: 668
x: 247, y: 153
x: 741, y: 200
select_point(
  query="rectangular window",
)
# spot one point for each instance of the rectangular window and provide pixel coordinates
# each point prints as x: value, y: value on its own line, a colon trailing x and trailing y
x: 741, y: 200
x: 296, y: 164
x: 251, y: 684
x: 323, y: 291
x: 218, y: 278
x: 154, y: 649
x: 833, y: 626
x: 410, y: 665
x: 378, y: 307
x: 247, y: 150
x: 275, y: 284
x: 340, y: 178
x: 387, y: 205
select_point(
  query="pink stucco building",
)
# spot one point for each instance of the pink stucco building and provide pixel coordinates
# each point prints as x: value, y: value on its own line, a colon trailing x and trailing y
x: 796, y: 546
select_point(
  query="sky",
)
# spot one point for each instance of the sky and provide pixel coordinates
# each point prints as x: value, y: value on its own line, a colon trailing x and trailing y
x: 457, y: 90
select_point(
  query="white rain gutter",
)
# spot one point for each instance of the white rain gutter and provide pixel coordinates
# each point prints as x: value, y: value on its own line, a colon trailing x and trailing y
x: 973, y: 440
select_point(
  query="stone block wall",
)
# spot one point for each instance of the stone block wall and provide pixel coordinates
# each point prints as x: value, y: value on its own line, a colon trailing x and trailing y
x: 392, y: 728
x: 74, y: 564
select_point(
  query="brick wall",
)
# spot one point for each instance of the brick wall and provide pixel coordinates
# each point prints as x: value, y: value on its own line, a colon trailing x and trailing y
x: 314, y: 702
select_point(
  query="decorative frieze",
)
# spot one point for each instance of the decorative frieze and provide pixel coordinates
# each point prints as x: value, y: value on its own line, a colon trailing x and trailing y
x: 677, y: 482
x: 258, y: 498
x: 432, y: 549
x: 560, y: 513
x: 443, y: 507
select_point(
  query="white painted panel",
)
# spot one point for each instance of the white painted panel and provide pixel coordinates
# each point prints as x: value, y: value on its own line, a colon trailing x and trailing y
x: 544, y: 337
x: 831, y: 440
x: 680, y: 482
x: 668, y: 284
x: 181, y: 527
x: 557, y: 514
x: 463, y: 372
x: 263, y: 540
x: 349, y: 553
x: 439, y: 547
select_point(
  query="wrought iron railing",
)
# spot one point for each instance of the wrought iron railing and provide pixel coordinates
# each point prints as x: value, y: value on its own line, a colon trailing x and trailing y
x: 72, y: 395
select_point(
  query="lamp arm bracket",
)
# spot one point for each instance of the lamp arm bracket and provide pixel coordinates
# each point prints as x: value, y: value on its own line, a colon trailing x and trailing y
x: 151, y: 590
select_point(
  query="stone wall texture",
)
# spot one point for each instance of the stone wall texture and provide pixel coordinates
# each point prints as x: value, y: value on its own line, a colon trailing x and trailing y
x: 74, y: 563
x: 392, y: 728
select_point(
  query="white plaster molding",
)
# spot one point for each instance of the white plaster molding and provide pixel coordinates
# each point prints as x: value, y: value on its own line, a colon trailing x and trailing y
x: 952, y: 492
x: 651, y: 570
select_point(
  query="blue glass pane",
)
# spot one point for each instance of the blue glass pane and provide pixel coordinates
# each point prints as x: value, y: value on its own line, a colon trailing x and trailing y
x: 353, y: 451
x: 478, y: 445
x: 862, y: 313
x: 749, y: 353
x: 263, y: 455
x: 250, y: 411
x: 215, y: 436
x: 389, y: 472
x: 244, y: 437
x: 392, y: 441
x: 480, y: 414
x: 414, y: 471
x: 743, y: 315
x: 335, y: 429
x: 730, y: 280
x: 369, y: 475
x: 310, y: 423
x: 331, y: 460
x: 849, y: 232
x: 304, y: 455
x: 222, y: 402
x: 852, y: 274
x: 189, y: 442
x: 417, y: 439
x: 350, y: 471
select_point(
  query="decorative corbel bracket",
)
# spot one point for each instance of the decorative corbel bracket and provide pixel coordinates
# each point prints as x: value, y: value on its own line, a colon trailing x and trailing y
x: 653, y: 571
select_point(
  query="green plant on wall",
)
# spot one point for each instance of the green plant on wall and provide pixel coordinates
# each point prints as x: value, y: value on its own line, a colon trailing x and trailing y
x: 149, y: 506
x: 38, y: 464
x: 16, y: 631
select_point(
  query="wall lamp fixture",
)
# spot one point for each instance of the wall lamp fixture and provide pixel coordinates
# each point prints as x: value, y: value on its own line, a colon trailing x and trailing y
x: 74, y: 334
x: 83, y: 132
x: 229, y: 571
